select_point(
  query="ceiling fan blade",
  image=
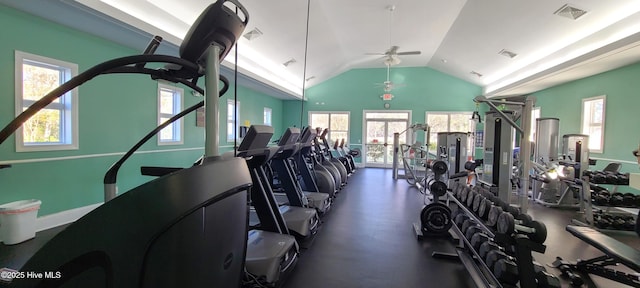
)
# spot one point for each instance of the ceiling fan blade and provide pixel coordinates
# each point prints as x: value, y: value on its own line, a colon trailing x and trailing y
x: 409, y: 53
x: 393, y: 50
x: 381, y: 54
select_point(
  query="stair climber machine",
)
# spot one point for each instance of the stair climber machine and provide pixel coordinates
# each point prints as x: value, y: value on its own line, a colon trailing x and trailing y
x: 323, y: 161
x: 314, y: 177
x: 347, y: 162
x: 326, y: 149
x: 302, y: 222
x: 166, y: 232
x: 349, y: 154
x: 272, y: 252
x: 283, y: 164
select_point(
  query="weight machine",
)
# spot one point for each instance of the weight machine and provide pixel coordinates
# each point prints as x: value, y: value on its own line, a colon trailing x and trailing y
x: 452, y: 148
x: 412, y: 163
x: 498, y: 147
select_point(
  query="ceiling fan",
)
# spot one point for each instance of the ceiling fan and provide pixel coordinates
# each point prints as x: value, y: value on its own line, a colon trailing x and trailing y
x: 390, y: 57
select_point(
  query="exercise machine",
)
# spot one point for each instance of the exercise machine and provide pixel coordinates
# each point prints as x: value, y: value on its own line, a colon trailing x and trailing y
x: 314, y: 177
x: 411, y: 164
x: 452, y: 148
x: 615, y: 253
x: 283, y: 163
x: 164, y: 245
x: 330, y: 159
x: 499, y: 137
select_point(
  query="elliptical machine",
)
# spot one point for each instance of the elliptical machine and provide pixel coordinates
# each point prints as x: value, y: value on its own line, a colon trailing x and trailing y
x: 328, y: 158
x: 315, y: 177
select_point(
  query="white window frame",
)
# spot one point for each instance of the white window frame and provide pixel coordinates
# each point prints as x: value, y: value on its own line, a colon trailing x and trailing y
x: 178, y: 104
x: 348, y: 113
x: 535, y: 114
x: 584, y: 124
x: 68, y: 104
x: 470, y: 141
x: 267, y: 116
x: 230, y: 119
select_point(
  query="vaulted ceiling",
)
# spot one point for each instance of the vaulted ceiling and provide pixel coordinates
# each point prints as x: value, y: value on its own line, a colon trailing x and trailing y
x: 323, y: 38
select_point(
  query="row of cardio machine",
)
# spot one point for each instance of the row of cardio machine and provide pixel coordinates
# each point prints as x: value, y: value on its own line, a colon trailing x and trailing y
x: 294, y: 183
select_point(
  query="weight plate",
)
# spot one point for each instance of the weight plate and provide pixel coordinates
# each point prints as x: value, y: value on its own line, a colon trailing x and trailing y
x: 439, y: 167
x: 525, y: 218
x: 438, y: 188
x: 436, y: 218
x: 472, y: 195
x: 541, y: 232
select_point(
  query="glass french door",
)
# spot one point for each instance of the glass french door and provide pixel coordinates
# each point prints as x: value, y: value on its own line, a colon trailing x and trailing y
x: 379, y: 130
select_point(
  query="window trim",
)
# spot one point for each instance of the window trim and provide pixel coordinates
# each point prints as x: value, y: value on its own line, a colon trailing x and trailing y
x: 471, y: 146
x: 348, y: 113
x: 603, y: 125
x: 71, y: 141
x: 264, y: 113
x: 180, y: 122
x: 230, y: 120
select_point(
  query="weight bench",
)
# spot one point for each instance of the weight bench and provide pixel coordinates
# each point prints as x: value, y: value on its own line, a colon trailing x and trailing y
x: 615, y: 252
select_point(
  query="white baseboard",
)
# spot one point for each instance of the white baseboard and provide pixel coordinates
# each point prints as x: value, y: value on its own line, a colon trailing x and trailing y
x: 64, y: 217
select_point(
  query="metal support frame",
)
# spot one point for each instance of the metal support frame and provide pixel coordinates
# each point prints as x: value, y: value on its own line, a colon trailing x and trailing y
x: 212, y: 102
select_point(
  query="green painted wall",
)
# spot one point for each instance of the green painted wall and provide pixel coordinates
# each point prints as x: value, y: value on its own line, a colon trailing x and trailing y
x: 355, y: 90
x: 115, y: 111
x: 621, y: 134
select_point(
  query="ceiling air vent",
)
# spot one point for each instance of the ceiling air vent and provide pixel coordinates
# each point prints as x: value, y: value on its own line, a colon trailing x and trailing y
x: 311, y: 78
x: 572, y: 13
x: 507, y: 53
x: 289, y: 62
x: 476, y: 73
x: 253, y: 34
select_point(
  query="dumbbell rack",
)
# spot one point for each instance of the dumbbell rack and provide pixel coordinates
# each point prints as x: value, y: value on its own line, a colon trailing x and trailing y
x: 588, y: 207
x: 479, y: 271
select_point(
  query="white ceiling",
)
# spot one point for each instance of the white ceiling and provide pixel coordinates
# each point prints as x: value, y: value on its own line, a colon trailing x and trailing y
x: 454, y: 36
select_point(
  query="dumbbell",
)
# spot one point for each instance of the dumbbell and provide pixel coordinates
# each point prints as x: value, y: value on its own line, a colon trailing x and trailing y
x: 617, y: 199
x: 547, y: 280
x: 483, y: 208
x: 618, y: 223
x: 602, y: 221
x: 493, y: 256
x: 624, y: 179
x: 462, y: 195
x: 470, y: 197
x: 494, y: 213
x: 598, y: 177
x: 488, y: 246
x: 574, y: 278
x: 637, y: 201
x: 630, y: 223
x: 628, y: 199
x: 599, y: 198
x: 535, y: 231
x: 611, y: 178
x: 478, y: 239
x: 506, y: 271
x: 475, y: 207
x: 459, y: 219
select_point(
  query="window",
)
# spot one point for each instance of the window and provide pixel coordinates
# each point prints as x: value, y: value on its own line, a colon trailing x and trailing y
x: 56, y: 126
x: 169, y: 104
x: 337, y: 122
x: 266, y: 116
x: 449, y: 122
x: 593, y: 122
x: 232, y: 130
x: 535, y: 114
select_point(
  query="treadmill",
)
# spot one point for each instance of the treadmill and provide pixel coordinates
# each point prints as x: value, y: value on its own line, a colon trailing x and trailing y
x: 283, y: 164
x: 271, y: 252
x: 301, y: 222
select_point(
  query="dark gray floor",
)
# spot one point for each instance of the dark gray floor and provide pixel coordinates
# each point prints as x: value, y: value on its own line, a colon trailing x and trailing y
x: 367, y: 241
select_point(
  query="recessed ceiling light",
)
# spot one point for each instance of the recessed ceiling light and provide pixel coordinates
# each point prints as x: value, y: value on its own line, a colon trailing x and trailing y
x: 289, y: 62
x: 507, y: 53
x: 476, y: 73
x: 570, y: 12
x: 443, y: 60
x: 253, y: 34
